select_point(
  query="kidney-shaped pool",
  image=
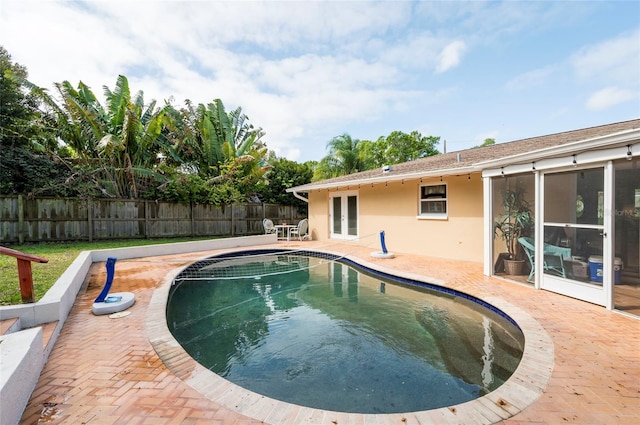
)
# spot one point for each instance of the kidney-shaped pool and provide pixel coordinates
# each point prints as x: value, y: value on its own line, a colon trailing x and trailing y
x: 321, y: 332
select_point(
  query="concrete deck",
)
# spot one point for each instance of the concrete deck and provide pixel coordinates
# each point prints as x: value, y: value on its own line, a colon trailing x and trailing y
x: 106, y: 371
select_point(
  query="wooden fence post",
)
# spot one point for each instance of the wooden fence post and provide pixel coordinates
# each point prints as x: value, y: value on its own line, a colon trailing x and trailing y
x: 90, y: 218
x: 147, y: 224
x: 20, y: 219
x: 193, y: 221
x: 232, y: 221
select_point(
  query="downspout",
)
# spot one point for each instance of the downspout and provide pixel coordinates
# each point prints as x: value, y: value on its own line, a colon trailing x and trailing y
x: 302, y: 198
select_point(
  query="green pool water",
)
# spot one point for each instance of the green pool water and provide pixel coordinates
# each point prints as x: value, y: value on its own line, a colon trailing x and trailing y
x: 323, y: 334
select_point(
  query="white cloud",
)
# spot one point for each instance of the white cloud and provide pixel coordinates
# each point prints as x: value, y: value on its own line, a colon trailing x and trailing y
x: 613, y: 68
x: 296, y: 69
x: 535, y: 78
x: 308, y: 71
x: 415, y: 52
x: 616, y: 60
x: 608, y: 97
x: 450, y: 56
x: 62, y: 43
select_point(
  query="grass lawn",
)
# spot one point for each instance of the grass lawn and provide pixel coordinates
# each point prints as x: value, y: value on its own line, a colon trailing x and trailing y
x: 60, y: 256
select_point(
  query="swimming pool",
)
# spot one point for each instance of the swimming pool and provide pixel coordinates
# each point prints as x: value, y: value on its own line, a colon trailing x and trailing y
x: 383, y: 344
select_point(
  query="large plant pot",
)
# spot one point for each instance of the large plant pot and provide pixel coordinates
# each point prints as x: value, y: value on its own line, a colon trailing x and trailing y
x: 514, y: 267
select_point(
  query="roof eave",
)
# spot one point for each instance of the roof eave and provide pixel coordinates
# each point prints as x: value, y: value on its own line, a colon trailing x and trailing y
x: 576, y: 147
x: 385, y: 178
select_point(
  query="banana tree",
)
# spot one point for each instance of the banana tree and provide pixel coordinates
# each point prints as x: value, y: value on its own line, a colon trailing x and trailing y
x: 135, y: 137
x: 215, y: 140
x: 118, y: 144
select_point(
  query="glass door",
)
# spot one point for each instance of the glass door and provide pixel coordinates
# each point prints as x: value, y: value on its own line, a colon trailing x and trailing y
x: 572, y: 258
x: 626, y: 287
x: 513, y: 219
x: 344, y: 215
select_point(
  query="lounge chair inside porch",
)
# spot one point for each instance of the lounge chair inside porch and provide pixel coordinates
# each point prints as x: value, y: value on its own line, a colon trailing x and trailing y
x: 553, y: 261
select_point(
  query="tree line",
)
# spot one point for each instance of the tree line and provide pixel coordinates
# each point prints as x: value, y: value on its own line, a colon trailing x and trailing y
x: 67, y: 143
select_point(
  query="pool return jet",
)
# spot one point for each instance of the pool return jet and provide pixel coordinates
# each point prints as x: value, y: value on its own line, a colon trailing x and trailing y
x: 111, y: 303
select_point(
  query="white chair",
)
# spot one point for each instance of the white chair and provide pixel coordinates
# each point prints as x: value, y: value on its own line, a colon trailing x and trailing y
x: 268, y: 226
x: 301, y: 230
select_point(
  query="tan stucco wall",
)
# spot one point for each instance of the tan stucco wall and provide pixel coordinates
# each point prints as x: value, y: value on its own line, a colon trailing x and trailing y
x: 319, y: 215
x: 394, y: 209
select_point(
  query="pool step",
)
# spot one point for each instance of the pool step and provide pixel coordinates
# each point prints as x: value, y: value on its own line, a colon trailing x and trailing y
x: 24, y: 354
x: 48, y: 330
x: 8, y: 326
x: 457, y: 351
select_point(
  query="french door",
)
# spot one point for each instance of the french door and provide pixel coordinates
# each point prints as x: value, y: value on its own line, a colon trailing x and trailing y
x: 344, y: 215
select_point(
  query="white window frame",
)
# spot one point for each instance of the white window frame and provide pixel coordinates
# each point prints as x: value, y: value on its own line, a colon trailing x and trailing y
x: 433, y: 215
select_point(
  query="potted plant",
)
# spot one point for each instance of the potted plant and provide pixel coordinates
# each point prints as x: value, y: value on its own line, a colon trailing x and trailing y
x: 516, y: 221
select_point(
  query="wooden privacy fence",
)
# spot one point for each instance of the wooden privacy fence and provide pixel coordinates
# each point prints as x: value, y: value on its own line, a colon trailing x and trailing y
x: 25, y: 219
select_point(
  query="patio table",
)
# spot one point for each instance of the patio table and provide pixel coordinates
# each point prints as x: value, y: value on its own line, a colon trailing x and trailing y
x: 284, y: 231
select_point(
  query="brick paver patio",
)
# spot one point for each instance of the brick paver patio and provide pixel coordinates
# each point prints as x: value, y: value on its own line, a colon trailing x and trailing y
x: 105, y: 371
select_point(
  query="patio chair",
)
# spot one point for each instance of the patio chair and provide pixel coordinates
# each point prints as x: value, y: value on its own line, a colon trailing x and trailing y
x: 553, y: 261
x: 301, y: 230
x: 268, y: 226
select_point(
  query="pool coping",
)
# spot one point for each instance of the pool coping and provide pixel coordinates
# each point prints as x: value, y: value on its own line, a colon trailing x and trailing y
x: 523, y: 388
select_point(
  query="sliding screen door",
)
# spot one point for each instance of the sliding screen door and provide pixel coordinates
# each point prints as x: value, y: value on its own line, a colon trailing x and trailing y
x: 575, y: 260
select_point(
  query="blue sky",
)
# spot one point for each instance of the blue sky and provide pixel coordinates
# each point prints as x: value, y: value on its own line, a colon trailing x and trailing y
x: 309, y: 71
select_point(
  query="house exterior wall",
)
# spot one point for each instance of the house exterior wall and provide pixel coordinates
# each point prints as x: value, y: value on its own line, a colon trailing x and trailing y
x: 318, y: 212
x: 394, y: 208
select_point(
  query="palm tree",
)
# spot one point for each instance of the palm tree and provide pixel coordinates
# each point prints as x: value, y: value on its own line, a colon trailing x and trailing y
x: 345, y: 157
